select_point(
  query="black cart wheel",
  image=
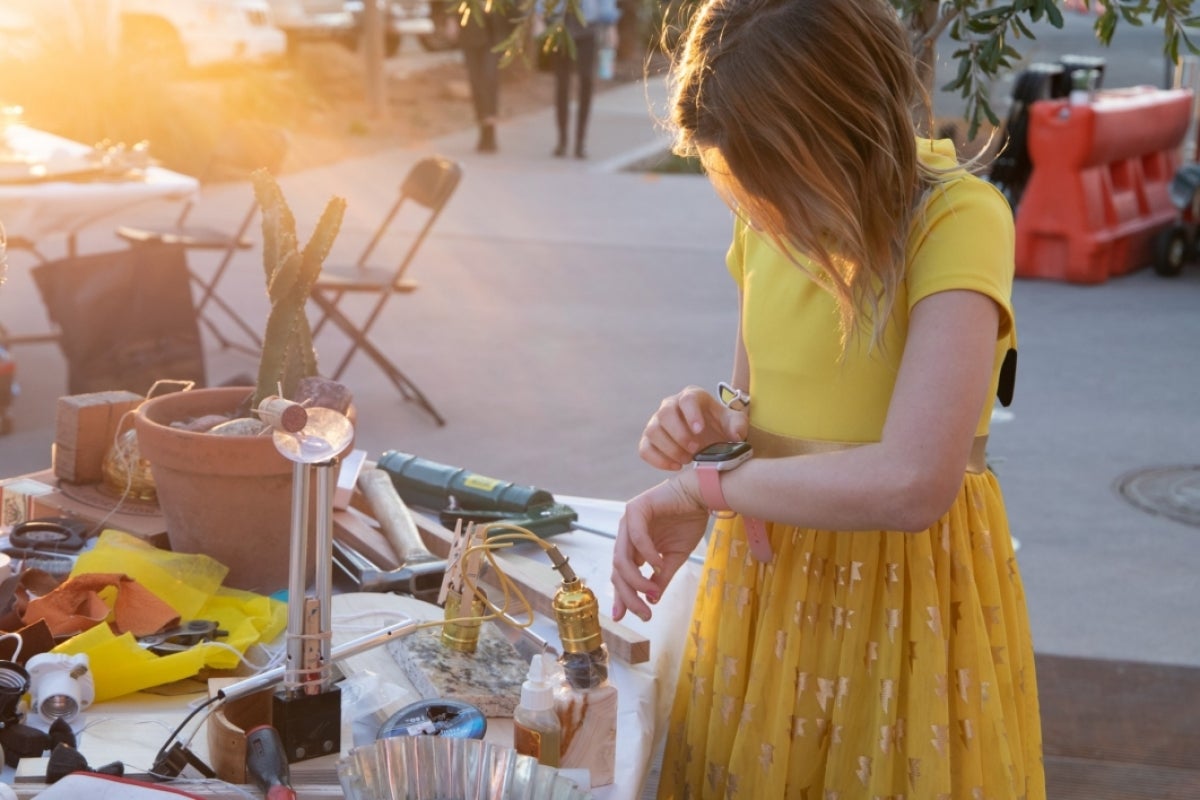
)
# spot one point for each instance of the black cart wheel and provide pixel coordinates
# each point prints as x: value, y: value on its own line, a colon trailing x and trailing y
x: 1171, y: 251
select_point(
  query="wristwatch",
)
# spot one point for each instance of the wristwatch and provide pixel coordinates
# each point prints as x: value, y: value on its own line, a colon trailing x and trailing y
x: 709, y: 464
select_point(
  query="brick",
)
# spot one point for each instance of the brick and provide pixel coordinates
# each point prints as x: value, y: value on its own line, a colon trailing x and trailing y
x: 84, y: 428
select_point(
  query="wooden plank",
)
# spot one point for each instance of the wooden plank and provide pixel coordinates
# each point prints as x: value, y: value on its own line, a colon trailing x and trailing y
x: 536, y: 580
x: 359, y: 531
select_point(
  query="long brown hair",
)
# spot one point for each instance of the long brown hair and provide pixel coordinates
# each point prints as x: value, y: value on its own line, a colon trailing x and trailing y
x: 804, y: 111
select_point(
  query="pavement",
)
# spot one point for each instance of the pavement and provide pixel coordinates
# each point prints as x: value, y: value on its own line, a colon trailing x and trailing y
x: 561, y: 299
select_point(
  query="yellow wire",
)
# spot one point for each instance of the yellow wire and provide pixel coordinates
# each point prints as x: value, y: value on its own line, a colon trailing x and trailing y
x: 509, y: 590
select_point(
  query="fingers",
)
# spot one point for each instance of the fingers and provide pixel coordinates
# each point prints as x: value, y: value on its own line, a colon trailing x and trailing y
x: 736, y: 425
x: 630, y: 585
x: 683, y: 425
x: 659, y: 530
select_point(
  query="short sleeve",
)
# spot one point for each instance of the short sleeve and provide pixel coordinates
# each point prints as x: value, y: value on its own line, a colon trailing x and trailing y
x: 735, y: 258
x: 965, y: 240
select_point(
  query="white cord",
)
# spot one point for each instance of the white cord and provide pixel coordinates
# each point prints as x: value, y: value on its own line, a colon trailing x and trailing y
x: 20, y: 644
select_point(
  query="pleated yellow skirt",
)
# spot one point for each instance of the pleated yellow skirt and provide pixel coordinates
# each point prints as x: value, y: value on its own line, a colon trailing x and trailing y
x: 869, y: 665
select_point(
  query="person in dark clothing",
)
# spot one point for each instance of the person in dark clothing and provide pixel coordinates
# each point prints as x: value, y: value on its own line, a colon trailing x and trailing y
x: 478, y: 35
x: 600, y: 17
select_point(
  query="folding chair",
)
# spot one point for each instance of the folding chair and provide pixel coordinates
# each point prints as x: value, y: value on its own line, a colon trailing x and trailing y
x: 246, y: 147
x: 429, y: 184
x: 126, y: 318
x: 7, y: 338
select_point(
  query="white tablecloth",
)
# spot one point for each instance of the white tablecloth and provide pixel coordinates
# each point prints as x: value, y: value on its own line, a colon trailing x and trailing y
x: 37, y: 210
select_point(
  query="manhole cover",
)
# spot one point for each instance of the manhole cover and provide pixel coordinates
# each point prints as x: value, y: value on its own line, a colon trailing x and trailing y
x: 1170, y: 491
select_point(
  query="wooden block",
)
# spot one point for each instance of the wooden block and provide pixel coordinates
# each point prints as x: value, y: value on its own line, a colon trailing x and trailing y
x: 226, y: 729
x: 489, y: 679
x: 91, y: 504
x: 348, y: 473
x: 589, y: 730
x: 535, y: 580
x: 85, y: 427
x: 17, y: 499
x: 359, y: 531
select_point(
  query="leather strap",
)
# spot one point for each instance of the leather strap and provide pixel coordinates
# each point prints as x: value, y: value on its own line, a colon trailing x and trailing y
x: 710, y: 492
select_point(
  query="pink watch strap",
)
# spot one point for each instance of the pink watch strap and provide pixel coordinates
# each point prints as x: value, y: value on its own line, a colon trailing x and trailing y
x: 714, y: 498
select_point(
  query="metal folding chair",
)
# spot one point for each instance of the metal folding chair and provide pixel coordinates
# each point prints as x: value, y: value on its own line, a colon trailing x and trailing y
x: 245, y: 148
x: 428, y: 186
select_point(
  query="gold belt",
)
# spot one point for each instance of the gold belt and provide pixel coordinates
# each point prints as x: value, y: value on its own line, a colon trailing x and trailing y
x: 774, y: 445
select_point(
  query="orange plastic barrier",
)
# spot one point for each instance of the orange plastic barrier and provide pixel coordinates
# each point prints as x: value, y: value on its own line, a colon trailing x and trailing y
x: 1098, y: 192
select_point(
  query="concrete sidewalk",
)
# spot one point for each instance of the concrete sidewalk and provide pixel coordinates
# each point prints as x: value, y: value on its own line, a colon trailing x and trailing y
x: 560, y: 300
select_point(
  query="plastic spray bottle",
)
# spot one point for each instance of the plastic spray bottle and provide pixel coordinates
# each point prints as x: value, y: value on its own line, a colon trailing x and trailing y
x: 536, y: 729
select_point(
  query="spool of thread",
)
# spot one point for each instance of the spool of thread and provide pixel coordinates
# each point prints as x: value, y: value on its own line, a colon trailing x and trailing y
x: 450, y: 719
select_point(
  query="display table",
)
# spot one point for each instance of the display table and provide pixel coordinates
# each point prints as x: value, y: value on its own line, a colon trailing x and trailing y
x: 51, y: 186
x: 131, y: 729
x: 60, y: 193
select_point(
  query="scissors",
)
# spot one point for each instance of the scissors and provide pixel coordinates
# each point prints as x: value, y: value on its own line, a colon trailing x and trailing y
x: 181, y: 637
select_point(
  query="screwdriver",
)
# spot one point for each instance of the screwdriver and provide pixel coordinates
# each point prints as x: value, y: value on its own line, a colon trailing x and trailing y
x: 266, y: 763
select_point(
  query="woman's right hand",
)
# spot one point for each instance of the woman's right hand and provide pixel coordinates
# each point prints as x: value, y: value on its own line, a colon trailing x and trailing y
x: 685, y: 424
x: 659, y: 529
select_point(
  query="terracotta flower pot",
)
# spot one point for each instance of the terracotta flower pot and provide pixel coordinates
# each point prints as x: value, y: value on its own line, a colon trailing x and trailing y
x: 228, y: 497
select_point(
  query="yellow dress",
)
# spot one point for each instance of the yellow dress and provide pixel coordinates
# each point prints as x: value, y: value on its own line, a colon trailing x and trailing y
x: 868, y: 664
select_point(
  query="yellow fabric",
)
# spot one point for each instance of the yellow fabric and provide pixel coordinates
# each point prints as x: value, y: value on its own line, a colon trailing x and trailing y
x: 184, y: 581
x: 190, y: 583
x: 799, y: 384
x: 861, y: 665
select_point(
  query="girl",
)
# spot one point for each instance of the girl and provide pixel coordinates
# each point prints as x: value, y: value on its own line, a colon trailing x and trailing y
x: 860, y: 630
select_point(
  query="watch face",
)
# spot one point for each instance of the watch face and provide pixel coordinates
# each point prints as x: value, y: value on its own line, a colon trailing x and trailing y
x: 722, y: 451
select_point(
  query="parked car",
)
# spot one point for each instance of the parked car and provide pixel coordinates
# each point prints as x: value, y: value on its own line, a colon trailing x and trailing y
x: 343, y: 21
x: 173, y: 34
x: 199, y: 33
x: 314, y: 21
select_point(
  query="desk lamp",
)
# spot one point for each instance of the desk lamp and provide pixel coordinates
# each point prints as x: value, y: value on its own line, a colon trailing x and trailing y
x: 306, y: 708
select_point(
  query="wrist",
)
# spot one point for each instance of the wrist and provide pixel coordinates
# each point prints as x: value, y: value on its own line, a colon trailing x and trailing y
x: 711, y: 466
x: 687, y: 483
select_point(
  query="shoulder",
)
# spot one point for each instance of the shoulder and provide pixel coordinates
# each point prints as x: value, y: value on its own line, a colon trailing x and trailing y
x: 963, y: 236
x: 956, y: 196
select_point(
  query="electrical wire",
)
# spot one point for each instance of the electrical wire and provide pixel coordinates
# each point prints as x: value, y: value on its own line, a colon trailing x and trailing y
x: 162, y: 751
x: 497, y: 536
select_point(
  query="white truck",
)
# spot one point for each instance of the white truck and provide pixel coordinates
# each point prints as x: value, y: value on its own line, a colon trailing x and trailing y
x: 199, y: 33
x: 171, y: 34
x: 342, y: 21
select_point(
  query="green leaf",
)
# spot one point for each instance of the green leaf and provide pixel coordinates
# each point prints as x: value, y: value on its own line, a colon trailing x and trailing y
x: 1053, y: 15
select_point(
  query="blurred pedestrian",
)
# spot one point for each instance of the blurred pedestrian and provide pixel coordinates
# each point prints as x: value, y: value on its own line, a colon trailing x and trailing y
x: 591, y: 34
x: 481, y: 26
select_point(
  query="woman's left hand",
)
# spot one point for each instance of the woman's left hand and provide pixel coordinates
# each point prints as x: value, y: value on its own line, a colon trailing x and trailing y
x: 660, y: 528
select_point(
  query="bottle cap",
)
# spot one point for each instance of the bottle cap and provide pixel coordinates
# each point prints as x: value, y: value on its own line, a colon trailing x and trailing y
x: 537, y: 693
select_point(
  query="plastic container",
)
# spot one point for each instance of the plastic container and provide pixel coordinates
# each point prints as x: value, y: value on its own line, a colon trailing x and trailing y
x: 536, y: 729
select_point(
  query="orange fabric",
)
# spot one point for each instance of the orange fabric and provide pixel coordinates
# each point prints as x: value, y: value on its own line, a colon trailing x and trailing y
x: 76, y: 605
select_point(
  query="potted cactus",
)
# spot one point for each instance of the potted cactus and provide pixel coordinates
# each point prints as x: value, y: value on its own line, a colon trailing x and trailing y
x: 224, y: 489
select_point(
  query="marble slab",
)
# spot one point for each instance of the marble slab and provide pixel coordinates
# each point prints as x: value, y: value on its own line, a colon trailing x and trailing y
x: 489, y: 679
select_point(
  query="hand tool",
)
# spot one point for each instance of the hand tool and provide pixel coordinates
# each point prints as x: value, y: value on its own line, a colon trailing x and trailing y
x: 181, y: 637
x: 267, y: 764
x: 49, y: 534
x: 397, y: 523
x: 365, y: 576
x: 420, y: 569
x: 455, y: 492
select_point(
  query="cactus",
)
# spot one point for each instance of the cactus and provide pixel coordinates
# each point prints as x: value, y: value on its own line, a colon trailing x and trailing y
x: 288, y: 353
